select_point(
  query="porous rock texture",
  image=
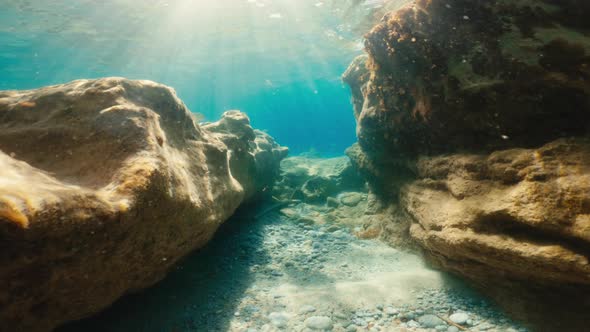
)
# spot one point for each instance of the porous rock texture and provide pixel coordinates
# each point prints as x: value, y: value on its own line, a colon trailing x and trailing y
x: 105, y: 184
x: 473, y: 121
x: 448, y: 75
x: 515, y: 222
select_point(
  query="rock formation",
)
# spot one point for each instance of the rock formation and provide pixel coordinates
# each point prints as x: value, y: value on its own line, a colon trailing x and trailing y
x: 516, y: 222
x: 473, y: 121
x: 254, y: 155
x: 449, y: 75
x: 105, y: 184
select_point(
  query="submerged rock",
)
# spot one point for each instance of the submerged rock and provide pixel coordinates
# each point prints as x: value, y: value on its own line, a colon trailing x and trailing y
x: 473, y: 75
x: 105, y: 185
x: 430, y: 321
x: 319, y: 323
x: 459, y: 318
x: 279, y: 319
x: 351, y: 199
x: 315, y: 179
x: 517, y: 217
x: 472, y: 122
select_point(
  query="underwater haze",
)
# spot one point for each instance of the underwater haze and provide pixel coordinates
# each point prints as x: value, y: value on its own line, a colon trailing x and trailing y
x: 280, y: 61
x: 294, y: 165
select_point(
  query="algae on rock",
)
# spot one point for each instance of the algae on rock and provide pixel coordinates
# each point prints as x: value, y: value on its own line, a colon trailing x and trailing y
x: 472, y: 123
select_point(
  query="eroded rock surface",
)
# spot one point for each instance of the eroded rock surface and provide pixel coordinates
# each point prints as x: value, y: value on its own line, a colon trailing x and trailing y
x: 472, y: 120
x: 514, y: 218
x: 105, y: 184
x: 467, y: 74
x: 255, y: 157
x: 313, y: 180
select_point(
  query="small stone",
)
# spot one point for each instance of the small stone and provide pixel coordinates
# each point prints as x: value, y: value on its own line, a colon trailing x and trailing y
x: 359, y: 322
x: 459, y: 318
x: 351, y: 199
x: 307, y: 309
x: 319, y: 323
x: 391, y: 311
x: 409, y: 315
x: 413, y: 324
x: 289, y: 212
x: 430, y: 321
x: 485, y: 326
x: 351, y: 328
x: 340, y: 315
x: 452, y: 329
x: 279, y: 319
x: 333, y: 228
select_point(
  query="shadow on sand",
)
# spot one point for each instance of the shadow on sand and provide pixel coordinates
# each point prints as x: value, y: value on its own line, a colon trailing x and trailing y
x: 200, y: 294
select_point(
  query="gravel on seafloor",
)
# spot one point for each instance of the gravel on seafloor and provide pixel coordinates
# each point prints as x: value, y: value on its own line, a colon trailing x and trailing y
x: 276, y: 274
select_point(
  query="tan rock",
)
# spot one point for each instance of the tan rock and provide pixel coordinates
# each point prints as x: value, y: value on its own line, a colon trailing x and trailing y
x: 467, y: 78
x: 104, y: 185
x: 509, y: 220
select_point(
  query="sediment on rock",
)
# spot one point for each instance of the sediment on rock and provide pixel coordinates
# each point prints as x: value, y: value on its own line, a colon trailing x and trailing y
x: 105, y: 185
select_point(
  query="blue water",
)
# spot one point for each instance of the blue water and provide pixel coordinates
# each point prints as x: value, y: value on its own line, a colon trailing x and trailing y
x: 280, y: 61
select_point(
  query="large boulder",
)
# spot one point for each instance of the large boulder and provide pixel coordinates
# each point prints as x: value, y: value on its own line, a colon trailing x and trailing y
x: 472, y: 122
x: 448, y: 75
x: 517, y: 219
x: 105, y: 184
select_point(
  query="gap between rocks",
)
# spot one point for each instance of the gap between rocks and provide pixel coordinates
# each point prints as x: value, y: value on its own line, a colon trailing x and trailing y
x: 302, y: 265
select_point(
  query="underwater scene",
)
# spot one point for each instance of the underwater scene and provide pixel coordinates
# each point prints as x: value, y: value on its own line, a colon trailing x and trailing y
x: 295, y: 165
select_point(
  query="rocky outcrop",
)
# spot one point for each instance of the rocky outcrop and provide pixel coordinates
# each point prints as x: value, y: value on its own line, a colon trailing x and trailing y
x: 255, y: 157
x: 467, y: 75
x: 105, y: 184
x: 472, y: 120
x: 515, y: 222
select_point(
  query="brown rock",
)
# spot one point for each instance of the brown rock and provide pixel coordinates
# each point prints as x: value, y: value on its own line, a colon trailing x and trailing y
x: 254, y: 155
x: 478, y: 75
x: 315, y: 179
x: 105, y: 184
x: 514, y: 221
